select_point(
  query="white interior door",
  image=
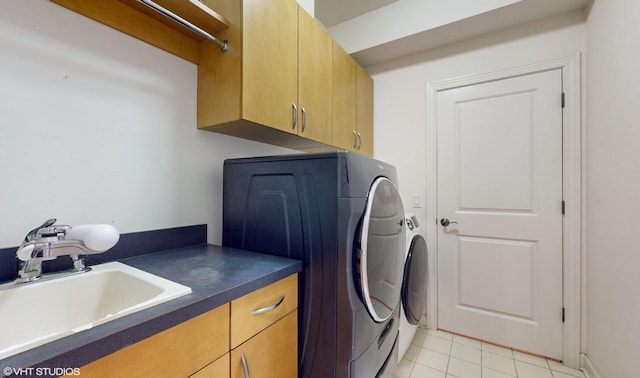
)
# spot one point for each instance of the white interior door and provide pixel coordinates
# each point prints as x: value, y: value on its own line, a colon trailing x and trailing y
x: 499, y: 157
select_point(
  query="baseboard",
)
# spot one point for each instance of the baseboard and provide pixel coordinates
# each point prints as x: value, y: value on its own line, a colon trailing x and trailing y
x: 588, y: 368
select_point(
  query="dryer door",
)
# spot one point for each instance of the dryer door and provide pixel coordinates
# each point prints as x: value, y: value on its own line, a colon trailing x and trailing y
x: 415, y: 279
x: 382, y: 243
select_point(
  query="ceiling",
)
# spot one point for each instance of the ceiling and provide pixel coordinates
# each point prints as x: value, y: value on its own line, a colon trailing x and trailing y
x: 333, y: 12
x: 342, y: 19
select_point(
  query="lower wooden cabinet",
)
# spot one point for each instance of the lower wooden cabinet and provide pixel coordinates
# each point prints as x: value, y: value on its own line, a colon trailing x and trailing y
x: 272, y: 353
x: 258, y: 310
x: 217, y: 369
x: 265, y: 324
x: 264, y: 332
x: 176, y: 352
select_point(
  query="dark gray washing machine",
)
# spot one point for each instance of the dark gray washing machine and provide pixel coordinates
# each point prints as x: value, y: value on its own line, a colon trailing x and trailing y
x: 341, y: 214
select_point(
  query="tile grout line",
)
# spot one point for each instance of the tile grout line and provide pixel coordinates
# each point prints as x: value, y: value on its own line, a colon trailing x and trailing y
x: 544, y: 364
x: 449, y: 357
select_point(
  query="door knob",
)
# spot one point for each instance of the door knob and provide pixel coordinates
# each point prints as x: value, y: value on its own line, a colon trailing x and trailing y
x: 445, y: 222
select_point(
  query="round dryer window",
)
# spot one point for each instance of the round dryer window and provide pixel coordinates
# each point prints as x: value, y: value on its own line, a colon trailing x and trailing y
x: 382, y: 250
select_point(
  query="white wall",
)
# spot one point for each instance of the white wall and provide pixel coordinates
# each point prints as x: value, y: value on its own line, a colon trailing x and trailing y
x: 400, y: 87
x: 613, y: 184
x: 100, y: 127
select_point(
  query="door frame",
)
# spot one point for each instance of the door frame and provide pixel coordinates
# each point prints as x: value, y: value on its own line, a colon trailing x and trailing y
x: 572, y: 225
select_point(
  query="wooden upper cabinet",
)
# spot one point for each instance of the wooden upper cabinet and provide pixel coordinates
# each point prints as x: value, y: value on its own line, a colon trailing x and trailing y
x: 364, y: 111
x: 278, y: 79
x: 314, y: 80
x: 270, y: 63
x: 344, y: 99
x: 352, y: 104
x: 283, y: 80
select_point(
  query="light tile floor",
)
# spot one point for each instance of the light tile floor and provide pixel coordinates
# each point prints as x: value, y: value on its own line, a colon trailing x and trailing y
x: 437, y: 354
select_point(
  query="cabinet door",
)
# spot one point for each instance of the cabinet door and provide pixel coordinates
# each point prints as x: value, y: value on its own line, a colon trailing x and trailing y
x: 270, y: 62
x: 344, y: 99
x: 314, y: 80
x: 272, y: 353
x: 217, y: 369
x: 176, y: 352
x: 364, y: 111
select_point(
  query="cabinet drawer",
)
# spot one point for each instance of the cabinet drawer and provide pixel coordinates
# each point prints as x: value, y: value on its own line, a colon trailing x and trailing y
x: 257, y: 310
x: 272, y: 353
x: 176, y: 352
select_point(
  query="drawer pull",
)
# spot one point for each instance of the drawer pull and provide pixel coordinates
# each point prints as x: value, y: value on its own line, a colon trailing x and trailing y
x: 268, y: 308
x: 304, y: 118
x: 245, y: 366
x: 295, y: 116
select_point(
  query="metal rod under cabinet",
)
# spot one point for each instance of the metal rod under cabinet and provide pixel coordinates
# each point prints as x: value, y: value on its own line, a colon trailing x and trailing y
x: 224, y: 45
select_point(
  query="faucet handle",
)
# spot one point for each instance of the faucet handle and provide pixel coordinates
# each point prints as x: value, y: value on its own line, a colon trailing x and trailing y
x: 56, y: 231
x: 25, y: 250
x: 32, y: 234
x: 24, y: 253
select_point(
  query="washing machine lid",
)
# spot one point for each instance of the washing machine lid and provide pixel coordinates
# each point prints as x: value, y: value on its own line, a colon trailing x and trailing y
x: 382, y: 243
x: 414, y: 283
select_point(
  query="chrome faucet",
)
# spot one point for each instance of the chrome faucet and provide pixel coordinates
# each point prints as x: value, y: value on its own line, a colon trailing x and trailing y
x: 32, y: 234
x: 49, y: 241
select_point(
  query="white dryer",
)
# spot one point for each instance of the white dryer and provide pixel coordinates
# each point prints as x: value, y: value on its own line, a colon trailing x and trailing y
x: 414, y: 285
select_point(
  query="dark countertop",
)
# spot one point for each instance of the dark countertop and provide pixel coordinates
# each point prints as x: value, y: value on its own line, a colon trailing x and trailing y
x: 216, y: 275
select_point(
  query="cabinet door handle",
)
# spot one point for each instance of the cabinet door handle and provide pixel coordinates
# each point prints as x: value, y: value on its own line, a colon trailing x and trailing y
x: 245, y: 366
x: 304, y: 118
x: 355, y: 140
x: 268, y: 308
x: 295, y: 116
x: 359, y: 140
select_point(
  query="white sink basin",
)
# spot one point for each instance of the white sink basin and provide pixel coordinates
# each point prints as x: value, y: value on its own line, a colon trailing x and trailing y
x: 36, y: 313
